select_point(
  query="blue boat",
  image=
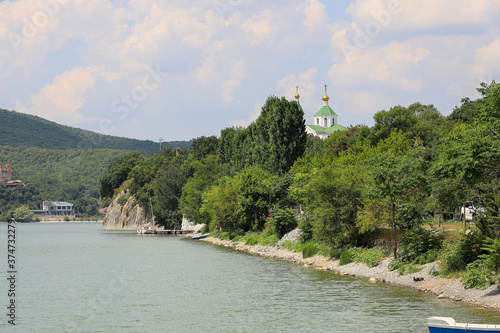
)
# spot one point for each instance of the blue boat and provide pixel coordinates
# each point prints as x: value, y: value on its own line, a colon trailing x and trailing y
x: 449, y: 325
x: 199, y: 236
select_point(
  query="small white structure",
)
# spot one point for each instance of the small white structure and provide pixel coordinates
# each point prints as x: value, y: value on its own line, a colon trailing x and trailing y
x: 57, y: 208
x: 325, y: 120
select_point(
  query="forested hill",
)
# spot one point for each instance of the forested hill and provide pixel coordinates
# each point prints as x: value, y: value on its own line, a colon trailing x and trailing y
x: 23, y: 130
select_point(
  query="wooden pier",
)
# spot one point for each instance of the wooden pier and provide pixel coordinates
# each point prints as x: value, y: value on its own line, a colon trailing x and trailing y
x: 174, y: 232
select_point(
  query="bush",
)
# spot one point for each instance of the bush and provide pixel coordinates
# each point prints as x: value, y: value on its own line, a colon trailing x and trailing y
x: 345, y: 258
x: 309, y: 249
x: 476, y: 275
x: 456, y: 257
x: 23, y: 214
x: 395, y: 264
x: 324, y: 250
x: 283, y: 221
x: 492, y: 257
x: 205, y: 229
x: 306, y: 229
x: 291, y: 246
x: 252, y: 240
x: 417, y: 243
x: 122, y: 200
x: 371, y: 257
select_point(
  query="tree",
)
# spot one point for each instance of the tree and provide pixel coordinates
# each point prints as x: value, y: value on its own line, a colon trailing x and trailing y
x: 470, y: 154
x: 221, y: 204
x: 336, y: 197
x: 118, y: 172
x: 167, y: 190
x: 279, y: 135
x: 204, y: 146
x: 23, y: 214
x: 206, y: 173
x: 398, y: 183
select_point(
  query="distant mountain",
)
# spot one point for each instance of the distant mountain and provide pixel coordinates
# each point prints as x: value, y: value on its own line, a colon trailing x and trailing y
x: 24, y: 130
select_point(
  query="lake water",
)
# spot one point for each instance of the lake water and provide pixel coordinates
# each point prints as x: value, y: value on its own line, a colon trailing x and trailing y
x: 73, y: 277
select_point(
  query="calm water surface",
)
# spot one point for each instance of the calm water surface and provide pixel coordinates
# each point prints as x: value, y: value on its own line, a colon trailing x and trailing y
x: 73, y: 277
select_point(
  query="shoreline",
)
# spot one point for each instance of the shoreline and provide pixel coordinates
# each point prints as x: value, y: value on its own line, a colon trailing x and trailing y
x: 443, y: 288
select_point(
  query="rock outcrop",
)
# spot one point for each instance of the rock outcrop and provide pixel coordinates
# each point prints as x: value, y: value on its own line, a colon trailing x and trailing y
x: 191, y: 226
x: 124, y: 216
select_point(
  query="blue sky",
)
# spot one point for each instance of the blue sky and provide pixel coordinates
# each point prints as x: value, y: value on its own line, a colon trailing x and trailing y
x: 181, y: 69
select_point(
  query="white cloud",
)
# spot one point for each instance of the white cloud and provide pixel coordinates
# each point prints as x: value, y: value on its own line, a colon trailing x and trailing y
x: 61, y: 100
x: 411, y: 15
x: 221, y: 66
x: 316, y: 17
x: 306, y: 82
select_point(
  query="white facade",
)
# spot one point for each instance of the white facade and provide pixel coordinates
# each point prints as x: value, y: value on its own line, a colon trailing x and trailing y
x: 57, y: 208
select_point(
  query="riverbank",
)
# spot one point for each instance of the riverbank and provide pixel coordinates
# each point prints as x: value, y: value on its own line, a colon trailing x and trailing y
x: 451, y: 289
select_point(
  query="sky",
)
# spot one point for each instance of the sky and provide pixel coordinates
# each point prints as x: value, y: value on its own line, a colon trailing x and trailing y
x: 177, y: 70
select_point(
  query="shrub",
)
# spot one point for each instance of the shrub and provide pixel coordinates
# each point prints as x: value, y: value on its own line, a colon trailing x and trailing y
x: 371, y: 257
x: 291, y: 246
x: 476, y: 275
x: 492, y: 257
x: 122, y: 200
x: 283, y: 221
x: 324, y: 250
x: 205, y: 229
x: 456, y: 257
x: 309, y: 249
x: 417, y: 243
x: 395, y: 264
x: 252, y: 240
x: 345, y: 258
x: 306, y: 229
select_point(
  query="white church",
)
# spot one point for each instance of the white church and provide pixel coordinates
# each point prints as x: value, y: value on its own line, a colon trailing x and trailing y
x: 325, y: 120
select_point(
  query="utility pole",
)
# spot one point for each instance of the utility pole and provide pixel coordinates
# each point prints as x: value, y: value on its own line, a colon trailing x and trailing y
x: 161, y: 140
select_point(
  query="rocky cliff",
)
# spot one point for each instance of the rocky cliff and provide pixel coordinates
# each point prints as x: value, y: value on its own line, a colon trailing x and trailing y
x: 124, y: 214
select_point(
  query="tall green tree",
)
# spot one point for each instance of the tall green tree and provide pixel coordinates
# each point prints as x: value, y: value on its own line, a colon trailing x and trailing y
x: 399, y: 182
x: 280, y: 135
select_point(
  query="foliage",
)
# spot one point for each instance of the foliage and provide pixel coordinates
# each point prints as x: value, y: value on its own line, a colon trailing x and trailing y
x: 419, y: 244
x: 345, y: 258
x: 16, y: 130
x: 408, y: 269
x: 492, y: 257
x: 306, y: 229
x: 399, y: 182
x: 457, y: 256
x: 118, y: 172
x: 309, y: 249
x: 167, y: 189
x: 476, y: 275
x: 371, y: 257
x: 222, y: 207
x: 23, y: 214
x: 202, y: 147
x: 334, y: 201
x: 273, y: 142
x: 283, y: 221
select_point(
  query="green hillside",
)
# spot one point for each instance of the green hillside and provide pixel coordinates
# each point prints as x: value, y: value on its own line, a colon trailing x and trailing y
x: 59, y: 175
x: 59, y: 163
x: 23, y: 130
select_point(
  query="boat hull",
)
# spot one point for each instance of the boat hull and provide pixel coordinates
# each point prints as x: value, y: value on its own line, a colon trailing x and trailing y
x: 448, y: 325
x: 200, y: 236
